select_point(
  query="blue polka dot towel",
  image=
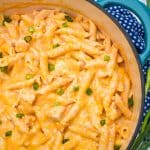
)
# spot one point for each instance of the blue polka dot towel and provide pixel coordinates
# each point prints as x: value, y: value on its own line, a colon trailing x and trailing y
x: 130, y: 23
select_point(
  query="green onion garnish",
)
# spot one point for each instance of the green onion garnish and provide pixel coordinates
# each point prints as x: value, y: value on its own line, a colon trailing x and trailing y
x: 68, y: 18
x: 106, y: 58
x: 29, y: 76
x: 65, y: 25
x: 28, y: 38
x: 117, y: 147
x: 65, y: 141
x: 76, y: 88
x: 56, y: 45
x: 103, y: 122
x: 130, y: 102
x: 6, y: 19
x: 31, y: 29
x: 51, y: 67
x: 89, y: 91
x: 1, y: 55
x: 35, y: 86
x: 8, y: 133
x: 20, y: 115
x: 4, y: 69
x: 60, y: 91
x: 56, y: 104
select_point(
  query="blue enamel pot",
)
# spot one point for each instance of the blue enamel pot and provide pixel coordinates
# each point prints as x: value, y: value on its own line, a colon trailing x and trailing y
x: 107, y: 24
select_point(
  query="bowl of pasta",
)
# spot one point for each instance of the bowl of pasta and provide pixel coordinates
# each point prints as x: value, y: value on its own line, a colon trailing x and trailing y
x: 69, y: 78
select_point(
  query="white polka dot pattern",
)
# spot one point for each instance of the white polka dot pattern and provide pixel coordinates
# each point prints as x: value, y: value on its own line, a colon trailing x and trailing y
x: 147, y: 99
x: 131, y: 25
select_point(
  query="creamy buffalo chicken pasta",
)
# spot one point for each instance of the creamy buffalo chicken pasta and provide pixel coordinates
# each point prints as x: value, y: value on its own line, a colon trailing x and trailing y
x: 63, y: 84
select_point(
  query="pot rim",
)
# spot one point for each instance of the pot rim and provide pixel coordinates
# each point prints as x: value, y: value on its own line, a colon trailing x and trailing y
x: 139, y: 66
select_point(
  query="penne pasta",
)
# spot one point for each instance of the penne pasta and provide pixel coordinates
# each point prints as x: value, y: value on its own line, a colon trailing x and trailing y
x: 61, y: 51
x: 71, y: 114
x: 127, y: 113
x: 58, y: 141
x: 44, y: 66
x: 125, y: 93
x: 112, y: 132
x: 92, y: 31
x: 84, y: 132
x: 103, y: 140
x: 54, y: 85
x: 63, y: 83
x: 21, y: 84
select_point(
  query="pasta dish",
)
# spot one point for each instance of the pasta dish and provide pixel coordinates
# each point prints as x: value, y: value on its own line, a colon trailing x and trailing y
x: 63, y: 84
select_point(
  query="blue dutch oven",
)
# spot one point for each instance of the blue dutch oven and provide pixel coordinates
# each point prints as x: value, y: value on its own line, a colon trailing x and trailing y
x: 105, y: 22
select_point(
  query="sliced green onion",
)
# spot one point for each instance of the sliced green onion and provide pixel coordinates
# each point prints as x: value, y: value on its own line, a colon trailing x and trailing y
x: 31, y: 29
x: 1, y: 55
x: 65, y: 141
x: 148, y: 3
x: 60, y: 91
x: 20, y: 115
x: 51, y: 67
x: 29, y: 76
x: 130, y: 102
x: 89, y: 91
x: 28, y: 38
x: 145, y: 122
x: 76, y: 88
x: 147, y: 85
x: 4, y: 69
x: 6, y: 19
x: 102, y: 122
x: 106, y: 58
x: 143, y: 134
x: 68, y: 18
x: 35, y: 86
x: 65, y: 25
x: 117, y: 147
x: 56, y: 45
x: 57, y: 103
x: 8, y: 133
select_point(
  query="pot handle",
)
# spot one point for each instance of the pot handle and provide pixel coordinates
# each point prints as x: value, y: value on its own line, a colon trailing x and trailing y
x: 142, y: 12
